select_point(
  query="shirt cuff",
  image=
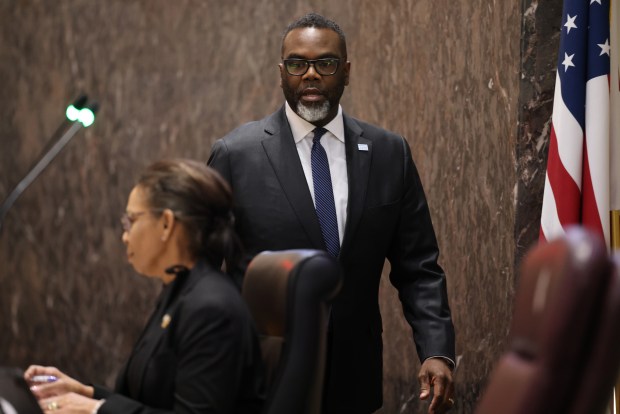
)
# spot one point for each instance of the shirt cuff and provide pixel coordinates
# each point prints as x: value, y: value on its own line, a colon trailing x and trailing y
x: 448, y: 361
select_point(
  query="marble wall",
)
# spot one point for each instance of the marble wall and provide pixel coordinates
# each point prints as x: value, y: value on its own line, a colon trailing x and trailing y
x: 465, y: 82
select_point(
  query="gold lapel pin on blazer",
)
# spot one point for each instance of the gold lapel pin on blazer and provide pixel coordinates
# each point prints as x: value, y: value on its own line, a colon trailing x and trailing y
x: 165, y: 321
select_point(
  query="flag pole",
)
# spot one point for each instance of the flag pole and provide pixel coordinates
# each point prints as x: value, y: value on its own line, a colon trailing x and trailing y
x: 614, y: 221
x: 614, y: 137
x: 615, y: 246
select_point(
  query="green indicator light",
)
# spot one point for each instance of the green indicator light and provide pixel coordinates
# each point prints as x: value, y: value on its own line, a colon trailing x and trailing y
x: 72, y: 113
x: 86, y: 117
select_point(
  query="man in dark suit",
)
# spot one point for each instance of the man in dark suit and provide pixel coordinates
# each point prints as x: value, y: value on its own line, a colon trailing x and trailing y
x: 355, y: 192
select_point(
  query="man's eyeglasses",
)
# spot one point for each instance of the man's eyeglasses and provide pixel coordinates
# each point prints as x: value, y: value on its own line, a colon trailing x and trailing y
x: 299, y: 67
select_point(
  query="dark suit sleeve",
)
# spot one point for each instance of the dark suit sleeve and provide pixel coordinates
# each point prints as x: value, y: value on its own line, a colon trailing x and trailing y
x: 219, y: 159
x: 100, y: 392
x: 420, y: 280
x: 210, y: 347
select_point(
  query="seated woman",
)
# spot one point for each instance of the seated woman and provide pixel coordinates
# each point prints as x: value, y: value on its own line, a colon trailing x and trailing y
x: 199, y: 352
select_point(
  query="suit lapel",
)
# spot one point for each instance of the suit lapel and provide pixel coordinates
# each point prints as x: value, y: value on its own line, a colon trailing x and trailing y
x: 280, y: 148
x: 359, y: 154
x: 150, y: 341
x: 136, y: 358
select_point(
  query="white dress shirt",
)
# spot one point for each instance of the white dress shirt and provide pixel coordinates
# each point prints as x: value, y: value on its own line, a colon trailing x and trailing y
x: 333, y: 143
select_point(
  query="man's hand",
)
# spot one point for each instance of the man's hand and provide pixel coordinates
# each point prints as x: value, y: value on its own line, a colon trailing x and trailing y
x: 436, y: 373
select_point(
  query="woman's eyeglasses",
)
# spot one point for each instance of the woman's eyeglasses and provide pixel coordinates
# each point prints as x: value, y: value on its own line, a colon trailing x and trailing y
x: 127, y: 219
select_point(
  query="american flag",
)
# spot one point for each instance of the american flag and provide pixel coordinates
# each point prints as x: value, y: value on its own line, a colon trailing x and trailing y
x: 578, y: 185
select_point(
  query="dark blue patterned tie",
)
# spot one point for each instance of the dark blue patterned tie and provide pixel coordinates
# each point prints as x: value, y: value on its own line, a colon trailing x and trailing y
x: 324, y: 194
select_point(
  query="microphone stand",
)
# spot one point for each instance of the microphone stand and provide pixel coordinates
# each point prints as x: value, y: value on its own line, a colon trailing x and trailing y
x: 38, y: 169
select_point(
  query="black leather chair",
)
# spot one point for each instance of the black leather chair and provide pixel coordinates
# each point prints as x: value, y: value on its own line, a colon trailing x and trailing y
x: 563, y: 348
x: 603, y: 363
x: 15, y: 396
x: 288, y: 294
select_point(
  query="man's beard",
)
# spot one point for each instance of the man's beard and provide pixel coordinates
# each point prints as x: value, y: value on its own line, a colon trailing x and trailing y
x: 313, y: 113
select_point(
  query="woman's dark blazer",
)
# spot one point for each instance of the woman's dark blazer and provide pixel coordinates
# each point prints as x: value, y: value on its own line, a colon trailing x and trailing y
x: 199, y: 353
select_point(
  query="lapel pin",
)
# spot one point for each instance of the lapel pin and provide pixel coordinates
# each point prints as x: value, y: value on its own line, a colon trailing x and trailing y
x: 362, y: 147
x: 165, y: 321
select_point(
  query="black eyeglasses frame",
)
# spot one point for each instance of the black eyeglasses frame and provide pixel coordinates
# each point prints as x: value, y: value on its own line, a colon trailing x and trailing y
x: 312, y: 62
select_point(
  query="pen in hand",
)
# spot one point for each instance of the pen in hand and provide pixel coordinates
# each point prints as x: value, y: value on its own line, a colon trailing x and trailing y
x: 43, y: 378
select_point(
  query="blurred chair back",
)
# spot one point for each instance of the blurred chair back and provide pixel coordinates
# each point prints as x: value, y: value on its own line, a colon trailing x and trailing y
x: 288, y: 293
x: 603, y: 364
x: 15, y: 395
x: 566, y: 315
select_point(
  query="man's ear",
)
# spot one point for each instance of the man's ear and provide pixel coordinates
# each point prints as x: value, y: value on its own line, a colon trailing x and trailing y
x: 281, y: 66
x: 347, y: 71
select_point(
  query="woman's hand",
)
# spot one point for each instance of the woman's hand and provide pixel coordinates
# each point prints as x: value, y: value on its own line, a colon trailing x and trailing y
x: 70, y: 403
x: 62, y: 385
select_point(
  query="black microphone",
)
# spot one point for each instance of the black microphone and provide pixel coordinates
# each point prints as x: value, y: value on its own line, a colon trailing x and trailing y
x: 81, y: 115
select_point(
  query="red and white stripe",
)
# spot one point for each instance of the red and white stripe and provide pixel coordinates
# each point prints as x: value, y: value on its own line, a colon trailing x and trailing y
x: 577, y: 184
